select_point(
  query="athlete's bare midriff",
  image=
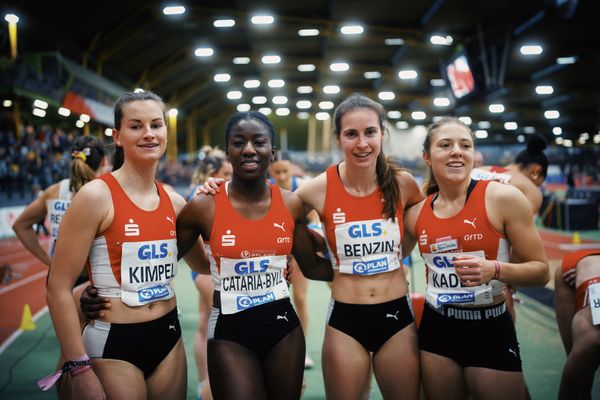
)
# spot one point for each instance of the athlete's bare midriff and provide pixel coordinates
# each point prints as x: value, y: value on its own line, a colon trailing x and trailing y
x: 373, y: 289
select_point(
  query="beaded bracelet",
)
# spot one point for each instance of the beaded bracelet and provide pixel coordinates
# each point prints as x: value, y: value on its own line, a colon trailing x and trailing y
x: 497, y: 268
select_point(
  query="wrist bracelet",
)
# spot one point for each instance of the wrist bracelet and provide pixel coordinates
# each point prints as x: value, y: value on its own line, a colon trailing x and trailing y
x: 497, y: 269
x: 75, y: 367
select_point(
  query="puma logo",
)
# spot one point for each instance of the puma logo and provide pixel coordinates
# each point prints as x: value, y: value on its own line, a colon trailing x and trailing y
x: 284, y: 316
x: 512, y: 351
x: 466, y: 221
x: 171, y: 220
x: 172, y: 327
x: 276, y: 225
x: 395, y: 316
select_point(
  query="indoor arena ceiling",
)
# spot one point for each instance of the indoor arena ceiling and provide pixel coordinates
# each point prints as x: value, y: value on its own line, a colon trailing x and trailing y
x: 135, y: 44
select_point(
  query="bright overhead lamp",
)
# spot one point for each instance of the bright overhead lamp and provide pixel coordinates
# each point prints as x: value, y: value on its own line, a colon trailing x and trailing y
x: 496, y: 108
x: 282, y: 112
x: 259, y: 100
x: 441, y: 40
x: 558, y: 140
x: 484, y: 125
x: 204, y: 52
x: 7, y: 103
x: 85, y: 118
x: 521, y: 139
x: 568, y: 143
x: 306, y: 67
x: 65, y: 112
x: 241, y: 60
x: 544, y: 89
x: 138, y: 90
x: 173, y: 112
x: 394, y: 114
x: 407, y: 74
x: 224, y: 23
x: 436, y: 118
x: 304, y: 104
x: 271, y: 59
x: 276, y: 83
x: 304, y: 89
x: 322, y: 116
x: 79, y: 123
x: 222, y: 77
x: 326, y: 105
x: 308, y: 32
x: 352, y: 29
x: 11, y: 18
x: 441, y: 102
x: 372, y: 75
x: 174, y: 10
x: 529, y: 129
x: 437, y: 82
x: 251, y: 83
x: 243, y: 107
x: 597, y: 138
x: 402, y: 125
x: 551, y: 114
x: 108, y: 132
x: 386, y: 95
x: 38, y: 112
x: 331, y: 89
x: 339, y: 66
x: 303, y: 115
x: 566, y: 60
x: 234, y: 95
x: 557, y: 130
x: 465, y: 120
x: 40, y: 104
x: 531, y: 50
x: 510, y: 126
x: 394, y: 41
x: 280, y: 100
x: 262, y: 19
x: 265, y: 110
x: 418, y: 115
x: 481, y: 134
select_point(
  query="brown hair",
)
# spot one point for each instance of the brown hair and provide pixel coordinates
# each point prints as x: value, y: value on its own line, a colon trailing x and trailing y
x: 385, y: 169
x: 431, y: 185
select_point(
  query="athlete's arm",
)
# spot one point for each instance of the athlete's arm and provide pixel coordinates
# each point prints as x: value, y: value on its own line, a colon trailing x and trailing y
x: 194, y: 222
x: 77, y: 231
x: 34, y: 213
x: 410, y: 193
x: 312, y: 193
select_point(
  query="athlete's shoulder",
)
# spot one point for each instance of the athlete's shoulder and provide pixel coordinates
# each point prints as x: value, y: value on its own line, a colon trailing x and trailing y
x: 176, y: 199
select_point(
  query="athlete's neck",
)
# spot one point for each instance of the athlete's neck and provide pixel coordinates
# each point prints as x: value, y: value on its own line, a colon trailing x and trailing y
x: 136, y: 177
x: 254, y: 189
x: 359, y: 181
x: 453, y: 192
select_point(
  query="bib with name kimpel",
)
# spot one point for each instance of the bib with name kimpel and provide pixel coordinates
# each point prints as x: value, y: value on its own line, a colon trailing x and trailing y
x: 368, y: 247
x: 443, y: 285
x: 56, y: 210
x: 250, y: 282
x: 147, y: 269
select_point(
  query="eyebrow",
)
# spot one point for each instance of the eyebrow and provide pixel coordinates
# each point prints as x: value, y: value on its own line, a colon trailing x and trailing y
x: 139, y: 120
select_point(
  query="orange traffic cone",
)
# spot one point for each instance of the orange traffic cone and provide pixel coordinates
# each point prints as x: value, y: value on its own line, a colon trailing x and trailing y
x: 576, y: 238
x: 27, y: 323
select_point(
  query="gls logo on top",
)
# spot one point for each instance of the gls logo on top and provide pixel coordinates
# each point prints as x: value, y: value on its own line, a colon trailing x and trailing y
x: 365, y: 230
x: 455, y: 298
x: 152, y: 293
x: 249, y: 267
x: 370, y: 267
x: 244, y: 302
x: 153, y: 251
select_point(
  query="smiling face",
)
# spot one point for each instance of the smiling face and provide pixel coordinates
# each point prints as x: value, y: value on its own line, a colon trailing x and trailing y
x: 250, y: 149
x: 360, y: 136
x: 142, y: 132
x: 451, y: 152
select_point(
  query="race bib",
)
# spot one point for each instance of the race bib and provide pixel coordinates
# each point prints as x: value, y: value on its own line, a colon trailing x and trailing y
x: 147, y: 269
x: 444, y: 287
x: 56, y: 209
x: 368, y: 247
x: 250, y: 282
x: 594, y: 301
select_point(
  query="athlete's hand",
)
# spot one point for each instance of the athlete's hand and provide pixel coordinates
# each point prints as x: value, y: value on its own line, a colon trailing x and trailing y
x: 91, y: 304
x: 87, y: 386
x: 210, y: 187
x: 569, y: 277
x: 474, y: 271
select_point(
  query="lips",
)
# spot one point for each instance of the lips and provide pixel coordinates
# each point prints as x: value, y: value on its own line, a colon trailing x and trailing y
x: 363, y: 154
x: 148, y: 145
x: 456, y: 164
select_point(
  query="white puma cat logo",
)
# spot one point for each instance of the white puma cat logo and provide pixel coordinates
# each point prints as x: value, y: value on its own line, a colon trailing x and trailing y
x: 284, y: 316
x: 276, y: 225
x: 172, y: 327
x: 466, y: 221
x: 395, y: 316
x: 171, y: 220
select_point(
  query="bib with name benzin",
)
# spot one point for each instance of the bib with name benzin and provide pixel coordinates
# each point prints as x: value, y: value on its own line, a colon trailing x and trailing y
x: 444, y: 286
x: 368, y: 247
x: 250, y: 282
x: 147, y: 270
